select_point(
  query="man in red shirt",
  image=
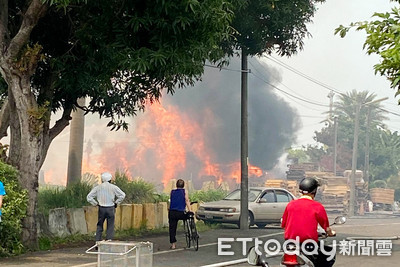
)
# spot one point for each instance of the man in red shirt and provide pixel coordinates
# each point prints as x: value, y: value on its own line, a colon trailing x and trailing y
x: 302, y: 216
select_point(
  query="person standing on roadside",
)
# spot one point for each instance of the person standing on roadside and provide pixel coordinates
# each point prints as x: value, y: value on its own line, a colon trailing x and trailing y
x: 108, y: 196
x: 2, y: 193
x: 179, y: 200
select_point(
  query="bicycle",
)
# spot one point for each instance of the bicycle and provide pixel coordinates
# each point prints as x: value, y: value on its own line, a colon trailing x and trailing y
x: 191, y: 234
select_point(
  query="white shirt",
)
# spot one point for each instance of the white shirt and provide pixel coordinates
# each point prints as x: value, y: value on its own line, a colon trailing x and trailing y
x: 105, y: 194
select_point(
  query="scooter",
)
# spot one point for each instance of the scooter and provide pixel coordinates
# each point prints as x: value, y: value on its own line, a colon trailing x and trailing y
x: 289, y: 259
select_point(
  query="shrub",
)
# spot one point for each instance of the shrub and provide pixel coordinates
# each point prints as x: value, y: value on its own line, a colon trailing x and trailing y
x: 379, y: 184
x: 160, y: 197
x: 209, y: 195
x: 137, y: 191
x: 14, y: 210
x: 73, y: 196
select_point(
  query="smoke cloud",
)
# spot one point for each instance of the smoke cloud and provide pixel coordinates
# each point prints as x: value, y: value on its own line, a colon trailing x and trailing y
x: 215, y: 104
x: 194, y: 134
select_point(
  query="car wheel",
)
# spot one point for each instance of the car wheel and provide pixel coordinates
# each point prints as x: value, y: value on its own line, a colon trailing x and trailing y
x: 250, y: 220
x: 261, y: 225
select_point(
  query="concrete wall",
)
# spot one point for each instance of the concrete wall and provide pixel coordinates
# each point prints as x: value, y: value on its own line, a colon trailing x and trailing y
x: 126, y: 216
x: 58, y: 222
x: 149, y: 215
x: 118, y: 215
x: 84, y: 220
x: 76, y: 221
x: 91, y: 217
x: 137, y: 215
x: 163, y: 214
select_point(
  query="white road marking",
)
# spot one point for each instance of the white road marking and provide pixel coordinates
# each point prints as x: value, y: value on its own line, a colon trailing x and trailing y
x: 268, y: 235
x: 178, y: 249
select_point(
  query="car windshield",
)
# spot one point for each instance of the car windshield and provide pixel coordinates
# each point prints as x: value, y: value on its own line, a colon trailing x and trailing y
x: 235, y: 195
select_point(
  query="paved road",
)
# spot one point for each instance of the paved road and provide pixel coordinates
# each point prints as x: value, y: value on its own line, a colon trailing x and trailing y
x: 208, y: 251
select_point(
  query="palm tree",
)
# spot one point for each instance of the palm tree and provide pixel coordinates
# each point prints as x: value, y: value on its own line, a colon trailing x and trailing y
x: 75, y: 154
x: 345, y: 108
x: 370, y: 116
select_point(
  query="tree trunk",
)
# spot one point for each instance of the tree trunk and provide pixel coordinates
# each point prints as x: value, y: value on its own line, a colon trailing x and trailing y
x: 29, y: 124
x: 28, y: 147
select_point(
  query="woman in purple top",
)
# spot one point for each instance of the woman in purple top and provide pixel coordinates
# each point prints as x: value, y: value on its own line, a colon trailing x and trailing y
x: 179, y: 200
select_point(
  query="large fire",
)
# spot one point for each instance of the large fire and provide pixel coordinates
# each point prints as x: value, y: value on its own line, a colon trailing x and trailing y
x: 168, y: 145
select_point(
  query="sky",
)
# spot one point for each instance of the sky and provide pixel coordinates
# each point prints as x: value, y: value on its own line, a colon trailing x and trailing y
x: 339, y: 63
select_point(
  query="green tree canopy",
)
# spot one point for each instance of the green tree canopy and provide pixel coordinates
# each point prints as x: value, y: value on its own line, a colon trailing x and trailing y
x: 117, y: 53
x: 264, y: 26
x: 121, y: 54
x: 345, y: 109
x: 383, y: 39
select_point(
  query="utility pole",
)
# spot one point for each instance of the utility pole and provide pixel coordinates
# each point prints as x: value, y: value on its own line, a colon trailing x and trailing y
x: 244, y: 156
x: 335, y: 125
x: 354, y: 161
x: 330, y: 96
x: 366, y: 162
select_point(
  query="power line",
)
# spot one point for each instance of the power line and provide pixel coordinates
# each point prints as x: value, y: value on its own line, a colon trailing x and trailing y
x: 280, y: 90
x: 318, y: 82
x: 274, y: 77
x: 275, y: 87
x: 223, y: 68
x: 330, y: 88
x: 390, y: 112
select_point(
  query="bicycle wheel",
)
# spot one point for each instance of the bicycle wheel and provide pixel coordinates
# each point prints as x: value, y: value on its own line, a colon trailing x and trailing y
x: 195, y: 235
x: 187, y: 232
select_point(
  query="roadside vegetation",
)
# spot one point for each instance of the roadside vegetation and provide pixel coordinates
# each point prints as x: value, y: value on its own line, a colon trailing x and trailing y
x: 380, y: 145
x: 137, y: 191
x: 13, y: 210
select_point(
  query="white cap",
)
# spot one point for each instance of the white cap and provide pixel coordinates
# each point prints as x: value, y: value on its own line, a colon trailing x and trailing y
x: 106, y: 177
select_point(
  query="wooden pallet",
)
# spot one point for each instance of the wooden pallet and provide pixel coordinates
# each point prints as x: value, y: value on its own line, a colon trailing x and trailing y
x: 382, y: 195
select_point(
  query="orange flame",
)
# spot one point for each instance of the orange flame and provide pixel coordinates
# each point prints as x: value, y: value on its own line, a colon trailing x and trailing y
x: 164, y: 139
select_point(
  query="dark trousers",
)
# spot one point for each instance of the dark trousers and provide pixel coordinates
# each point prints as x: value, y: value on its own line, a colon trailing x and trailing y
x: 105, y: 213
x: 320, y: 260
x: 173, y: 217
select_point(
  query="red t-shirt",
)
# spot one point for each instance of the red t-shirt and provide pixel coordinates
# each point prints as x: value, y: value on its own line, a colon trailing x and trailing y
x: 301, y: 218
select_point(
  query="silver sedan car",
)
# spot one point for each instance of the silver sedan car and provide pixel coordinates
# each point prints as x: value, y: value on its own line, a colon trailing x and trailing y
x: 266, y: 205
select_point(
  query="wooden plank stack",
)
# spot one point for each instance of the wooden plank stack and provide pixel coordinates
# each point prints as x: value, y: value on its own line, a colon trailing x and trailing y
x: 382, y: 195
x: 298, y: 171
x: 279, y: 183
x: 291, y: 186
x: 335, y: 193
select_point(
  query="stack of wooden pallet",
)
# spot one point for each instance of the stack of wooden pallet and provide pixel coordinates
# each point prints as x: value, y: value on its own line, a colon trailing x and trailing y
x: 315, y: 174
x: 335, y: 193
x: 295, y: 174
x: 297, y: 171
x: 291, y: 186
x: 382, y: 195
x: 277, y: 183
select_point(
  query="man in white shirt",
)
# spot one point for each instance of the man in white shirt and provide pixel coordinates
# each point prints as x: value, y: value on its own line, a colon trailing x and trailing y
x: 108, y: 197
